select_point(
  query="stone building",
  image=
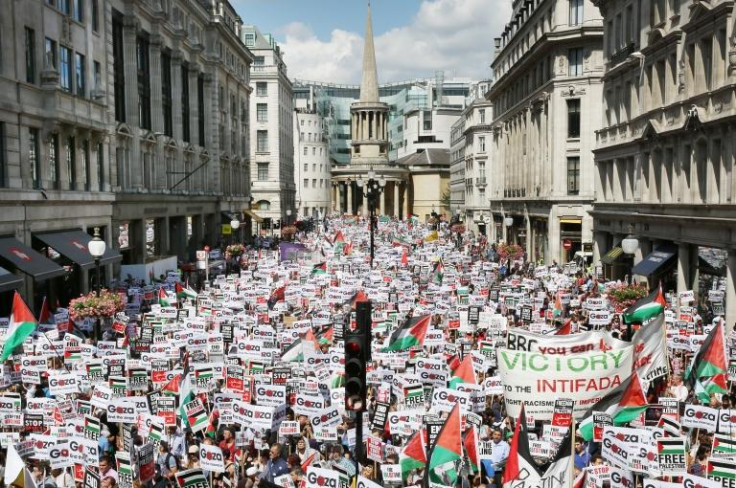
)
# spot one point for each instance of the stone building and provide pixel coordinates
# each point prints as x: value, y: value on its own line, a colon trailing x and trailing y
x: 546, y: 101
x: 272, y: 151
x: 665, y: 153
x: 127, y: 115
x: 312, y: 160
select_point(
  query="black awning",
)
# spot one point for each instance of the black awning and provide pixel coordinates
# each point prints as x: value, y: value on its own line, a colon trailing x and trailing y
x: 663, y: 256
x: 73, y: 246
x: 27, y: 260
x: 613, y: 255
x: 9, y: 281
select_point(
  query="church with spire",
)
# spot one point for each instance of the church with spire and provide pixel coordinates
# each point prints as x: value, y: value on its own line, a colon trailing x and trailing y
x: 369, y: 152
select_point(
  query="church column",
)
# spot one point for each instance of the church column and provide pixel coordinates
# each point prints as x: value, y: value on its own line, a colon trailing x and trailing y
x: 350, y: 198
x: 396, y: 199
x: 406, y: 199
x: 130, y: 33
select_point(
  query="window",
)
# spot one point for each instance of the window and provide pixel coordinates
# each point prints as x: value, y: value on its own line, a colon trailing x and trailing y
x: 306, y: 182
x: 100, y: 167
x: 306, y: 149
x: 50, y: 53
x: 262, y: 141
x: 3, y: 161
x: 95, y: 15
x: 71, y: 163
x: 63, y: 5
x: 54, y: 160
x: 259, y: 61
x: 314, y: 151
x: 262, y: 171
x: 262, y: 112
x: 30, y: 37
x: 482, y: 115
x: 78, y: 10
x: 144, y: 82
x: 482, y: 144
x: 427, y: 120
x: 573, y: 175
x: 79, y: 67
x: 576, y: 12
x: 200, y: 108
x: 314, y: 183
x: 34, y: 161
x: 262, y: 90
x: 250, y: 39
x: 65, y: 67
x: 573, y: 118
x: 118, y: 66
x: 166, y: 96
x: 306, y: 166
x: 185, y: 102
x: 575, y: 62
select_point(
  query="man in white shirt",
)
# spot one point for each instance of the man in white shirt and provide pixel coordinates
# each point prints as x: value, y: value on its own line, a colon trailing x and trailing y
x: 499, y: 455
x: 678, y: 390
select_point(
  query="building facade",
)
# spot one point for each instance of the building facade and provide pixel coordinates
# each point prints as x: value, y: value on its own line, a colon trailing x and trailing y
x: 130, y: 116
x: 665, y: 154
x: 272, y: 151
x: 312, y: 161
x: 546, y: 97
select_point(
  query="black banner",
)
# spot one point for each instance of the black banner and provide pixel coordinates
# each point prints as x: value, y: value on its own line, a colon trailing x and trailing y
x: 380, y: 417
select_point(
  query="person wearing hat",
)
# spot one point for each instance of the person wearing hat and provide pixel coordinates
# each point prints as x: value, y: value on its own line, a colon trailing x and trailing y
x: 192, y: 457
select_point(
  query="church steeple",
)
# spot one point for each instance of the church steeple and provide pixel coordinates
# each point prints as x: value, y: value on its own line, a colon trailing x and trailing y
x: 369, y: 86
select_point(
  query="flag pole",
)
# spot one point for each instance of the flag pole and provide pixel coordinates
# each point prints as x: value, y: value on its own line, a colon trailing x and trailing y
x: 572, y: 450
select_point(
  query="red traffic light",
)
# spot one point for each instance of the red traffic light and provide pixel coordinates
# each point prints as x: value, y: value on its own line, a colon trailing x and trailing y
x: 353, y: 347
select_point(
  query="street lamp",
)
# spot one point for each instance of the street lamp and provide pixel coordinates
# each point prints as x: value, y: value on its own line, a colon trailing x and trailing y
x: 458, y: 241
x: 508, y: 222
x: 235, y: 224
x: 372, y: 188
x: 288, y: 221
x: 97, y: 249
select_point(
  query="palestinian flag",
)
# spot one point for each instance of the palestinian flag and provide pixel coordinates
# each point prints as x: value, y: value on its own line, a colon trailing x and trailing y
x: 438, y: 273
x: 278, y: 295
x: 320, y: 268
x: 520, y: 464
x: 723, y: 470
x: 671, y: 446
x: 307, y: 462
x: 91, y: 427
x: 580, y: 481
x: 624, y: 403
x: 670, y: 426
x: 293, y: 353
x: 566, y: 329
x: 410, y: 334
x: 191, y: 478
x: 359, y: 296
x: 724, y: 444
x: 399, y: 240
x: 156, y: 432
x: 162, y: 298
x: 557, y: 311
x: 448, y: 448
x: 470, y: 444
x: 465, y: 373
x: 645, y: 309
x: 184, y: 293
x: 710, y: 360
x: 404, y: 258
x: 46, y: 317
x: 22, y: 324
x: 173, y: 386
x: 339, y: 237
x: 714, y: 384
x: 561, y: 469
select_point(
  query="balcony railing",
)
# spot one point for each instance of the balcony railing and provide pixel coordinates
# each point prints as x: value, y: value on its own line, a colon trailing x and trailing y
x: 622, y: 53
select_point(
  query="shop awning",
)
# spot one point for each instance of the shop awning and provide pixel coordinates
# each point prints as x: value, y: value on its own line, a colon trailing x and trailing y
x: 72, y: 245
x: 613, y: 255
x: 254, y: 216
x: 9, y: 281
x: 662, y: 257
x: 28, y: 261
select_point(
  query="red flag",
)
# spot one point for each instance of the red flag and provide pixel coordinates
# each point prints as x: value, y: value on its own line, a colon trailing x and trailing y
x: 404, y: 258
x: 565, y: 329
x: 45, y: 317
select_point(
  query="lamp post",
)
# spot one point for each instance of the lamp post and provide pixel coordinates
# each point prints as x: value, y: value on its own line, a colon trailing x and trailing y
x: 458, y: 239
x: 288, y: 221
x: 508, y: 222
x: 373, y: 188
x: 235, y: 225
x: 629, y: 245
x: 97, y: 249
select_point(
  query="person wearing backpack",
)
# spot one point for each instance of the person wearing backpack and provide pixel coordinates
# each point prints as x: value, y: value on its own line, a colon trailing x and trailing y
x: 167, y: 462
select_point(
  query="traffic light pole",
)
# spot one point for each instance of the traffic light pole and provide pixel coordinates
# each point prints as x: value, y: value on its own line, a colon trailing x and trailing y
x: 363, y: 324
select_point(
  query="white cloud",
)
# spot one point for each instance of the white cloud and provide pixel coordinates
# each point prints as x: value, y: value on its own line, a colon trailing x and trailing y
x: 455, y: 36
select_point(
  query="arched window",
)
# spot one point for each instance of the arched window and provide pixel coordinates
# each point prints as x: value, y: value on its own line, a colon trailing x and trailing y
x: 264, y: 205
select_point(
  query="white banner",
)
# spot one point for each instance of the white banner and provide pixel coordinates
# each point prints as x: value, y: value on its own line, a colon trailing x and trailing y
x: 318, y: 477
x: 521, y: 340
x: 699, y: 417
x: 536, y: 380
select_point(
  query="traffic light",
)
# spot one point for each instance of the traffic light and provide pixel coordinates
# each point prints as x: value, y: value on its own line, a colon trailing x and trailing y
x: 357, y: 355
x: 277, y: 225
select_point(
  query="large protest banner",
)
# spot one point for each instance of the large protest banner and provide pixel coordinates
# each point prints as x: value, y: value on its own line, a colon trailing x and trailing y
x: 536, y: 379
x: 522, y: 340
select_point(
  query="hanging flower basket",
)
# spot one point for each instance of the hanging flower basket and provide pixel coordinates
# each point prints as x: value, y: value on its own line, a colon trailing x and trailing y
x: 623, y: 295
x: 288, y: 230
x: 90, y: 305
x: 458, y: 228
x: 513, y: 251
x: 235, y: 250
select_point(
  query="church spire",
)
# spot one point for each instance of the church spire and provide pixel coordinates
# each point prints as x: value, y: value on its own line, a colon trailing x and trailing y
x: 369, y: 86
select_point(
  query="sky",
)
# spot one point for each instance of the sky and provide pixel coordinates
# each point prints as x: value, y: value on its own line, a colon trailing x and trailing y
x: 323, y: 39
